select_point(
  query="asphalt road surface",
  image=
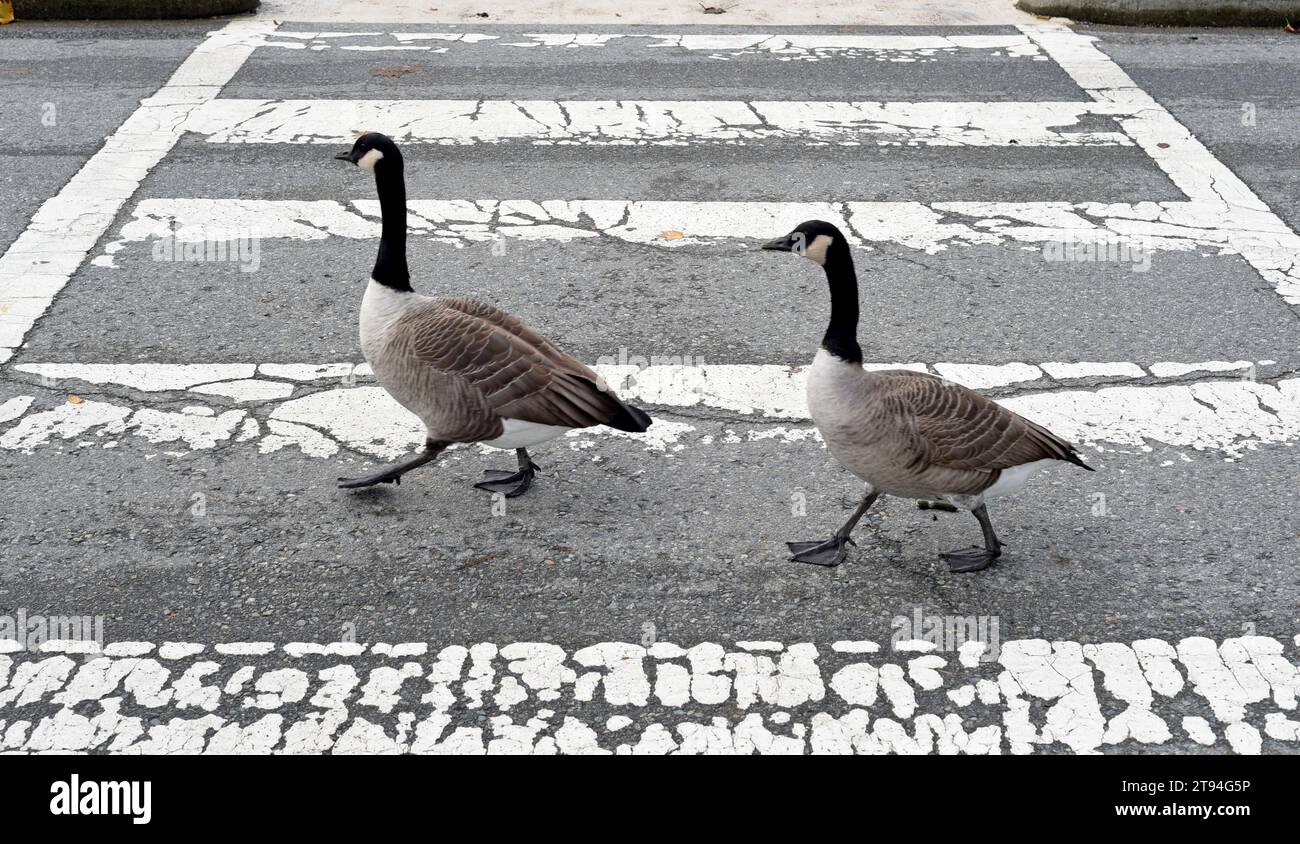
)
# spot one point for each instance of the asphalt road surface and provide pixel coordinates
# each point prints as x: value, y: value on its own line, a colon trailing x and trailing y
x: 173, y: 418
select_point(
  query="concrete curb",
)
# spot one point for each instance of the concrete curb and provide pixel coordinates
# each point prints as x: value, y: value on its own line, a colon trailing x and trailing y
x: 128, y: 9
x: 1272, y: 13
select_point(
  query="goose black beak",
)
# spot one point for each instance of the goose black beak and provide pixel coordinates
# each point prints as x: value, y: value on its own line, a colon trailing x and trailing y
x: 781, y: 244
x: 346, y: 156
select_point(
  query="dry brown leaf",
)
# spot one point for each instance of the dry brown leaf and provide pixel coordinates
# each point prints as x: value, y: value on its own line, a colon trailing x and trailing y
x: 393, y: 72
x: 6, y: 12
x: 76, y: 400
x: 1288, y: 28
x: 671, y: 234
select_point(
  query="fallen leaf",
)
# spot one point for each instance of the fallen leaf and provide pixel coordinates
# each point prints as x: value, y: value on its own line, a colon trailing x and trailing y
x: 1287, y: 28
x: 392, y: 72
x: 480, y: 561
x: 671, y: 234
x: 1163, y: 145
x: 76, y: 400
x: 714, y: 10
x: 6, y: 12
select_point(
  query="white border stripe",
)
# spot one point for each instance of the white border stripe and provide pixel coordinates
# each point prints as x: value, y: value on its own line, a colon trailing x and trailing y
x: 66, y: 227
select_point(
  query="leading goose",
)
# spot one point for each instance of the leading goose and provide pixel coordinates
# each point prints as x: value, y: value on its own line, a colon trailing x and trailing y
x: 470, y: 371
x: 907, y: 433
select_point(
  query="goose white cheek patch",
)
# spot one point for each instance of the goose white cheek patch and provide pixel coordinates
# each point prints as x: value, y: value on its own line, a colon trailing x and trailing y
x: 816, y: 251
x: 369, y: 160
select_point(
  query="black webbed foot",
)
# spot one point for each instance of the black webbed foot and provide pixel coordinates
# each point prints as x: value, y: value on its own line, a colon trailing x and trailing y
x: 829, y: 553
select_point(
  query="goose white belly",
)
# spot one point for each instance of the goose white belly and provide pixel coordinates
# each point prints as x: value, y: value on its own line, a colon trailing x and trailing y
x: 517, y: 433
x: 1013, y: 478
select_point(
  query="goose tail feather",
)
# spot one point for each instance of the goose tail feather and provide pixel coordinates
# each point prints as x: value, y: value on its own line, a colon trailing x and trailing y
x: 629, y: 418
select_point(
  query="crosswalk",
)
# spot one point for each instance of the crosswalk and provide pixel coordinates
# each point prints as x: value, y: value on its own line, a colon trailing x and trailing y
x: 208, y: 257
x: 1218, y: 216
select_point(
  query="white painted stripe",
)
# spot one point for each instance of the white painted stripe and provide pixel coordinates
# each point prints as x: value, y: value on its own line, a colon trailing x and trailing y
x: 796, y: 47
x: 323, y: 416
x: 968, y: 693
x: 66, y: 227
x: 1174, y: 370
x: 667, y: 122
x: 685, y: 13
x: 1259, y: 235
x: 1139, y: 228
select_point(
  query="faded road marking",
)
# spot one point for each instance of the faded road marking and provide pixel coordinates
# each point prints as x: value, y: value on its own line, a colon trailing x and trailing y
x: 323, y: 409
x: 657, y: 122
x: 622, y: 698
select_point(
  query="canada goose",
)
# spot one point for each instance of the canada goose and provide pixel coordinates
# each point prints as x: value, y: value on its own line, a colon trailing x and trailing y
x: 470, y: 371
x: 908, y: 433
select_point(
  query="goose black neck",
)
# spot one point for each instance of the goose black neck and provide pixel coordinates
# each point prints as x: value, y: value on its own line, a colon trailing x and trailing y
x: 841, y: 337
x: 390, y: 265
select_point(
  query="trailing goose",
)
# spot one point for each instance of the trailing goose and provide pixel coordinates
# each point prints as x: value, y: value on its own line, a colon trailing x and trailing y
x: 905, y: 433
x: 470, y: 371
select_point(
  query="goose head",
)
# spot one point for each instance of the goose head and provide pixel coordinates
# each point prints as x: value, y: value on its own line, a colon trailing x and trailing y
x: 373, y: 150
x: 813, y: 240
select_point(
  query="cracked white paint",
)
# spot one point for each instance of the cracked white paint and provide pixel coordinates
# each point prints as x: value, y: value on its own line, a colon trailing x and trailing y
x: 657, y: 122
x: 66, y: 227
x: 1174, y: 370
x: 329, y: 412
x: 797, y: 47
x: 615, y: 697
x: 1093, y: 369
x: 1210, y: 228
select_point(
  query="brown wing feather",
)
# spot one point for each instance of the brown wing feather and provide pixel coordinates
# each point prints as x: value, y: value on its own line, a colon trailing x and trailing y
x: 958, y: 428
x: 492, y: 354
x: 518, y: 328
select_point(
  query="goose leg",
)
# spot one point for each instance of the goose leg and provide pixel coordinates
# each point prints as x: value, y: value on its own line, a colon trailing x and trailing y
x: 974, y: 558
x: 511, y: 485
x: 831, y: 552
x: 393, y: 474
